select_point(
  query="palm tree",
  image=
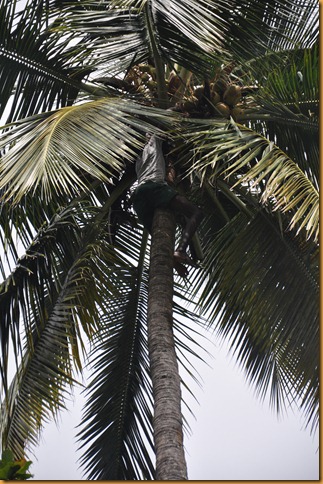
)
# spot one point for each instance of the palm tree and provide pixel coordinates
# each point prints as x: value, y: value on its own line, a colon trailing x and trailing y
x: 81, y: 84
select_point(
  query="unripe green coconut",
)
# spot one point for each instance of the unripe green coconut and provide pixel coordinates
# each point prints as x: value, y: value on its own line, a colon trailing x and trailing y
x: 145, y: 77
x: 144, y: 67
x: 152, y: 85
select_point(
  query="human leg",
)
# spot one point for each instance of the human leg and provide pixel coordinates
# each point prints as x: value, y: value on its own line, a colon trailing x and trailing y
x: 142, y: 207
x: 152, y: 195
x: 194, y: 216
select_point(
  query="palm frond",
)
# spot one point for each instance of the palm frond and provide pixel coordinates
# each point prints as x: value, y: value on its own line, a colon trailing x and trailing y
x: 228, y: 29
x: 257, y: 28
x: 38, y: 389
x: 231, y: 149
x: 114, y: 37
x: 177, y: 28
x: 188, y: 16
x: 258, y: 289
x: 55, y: 309
x: 35, y: 61
x: 120, y: 33
x: 228, y: 26
x: 117, y: 417
x: 60, y: 150
x: 22, y: 296
x: 287, y: 105
x: 35, y: 230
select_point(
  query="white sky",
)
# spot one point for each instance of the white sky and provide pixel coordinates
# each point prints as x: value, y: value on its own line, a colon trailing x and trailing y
x: 234, y: 437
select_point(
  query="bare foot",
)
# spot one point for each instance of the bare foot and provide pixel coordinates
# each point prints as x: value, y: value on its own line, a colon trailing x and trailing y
x: 180, y: 269
x: 183, y: 258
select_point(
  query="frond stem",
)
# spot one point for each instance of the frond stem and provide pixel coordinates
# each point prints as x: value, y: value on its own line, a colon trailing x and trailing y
x: 159, y: 65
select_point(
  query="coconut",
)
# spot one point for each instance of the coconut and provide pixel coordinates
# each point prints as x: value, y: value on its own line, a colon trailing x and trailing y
x: 220, y: 85
x: 145, y: 77
x: 215, y: 97
x: 232, y: 95
x: 236, y: 113
x: 152, y: 85
x: 152, y: 71
x: 144, y: 67
x: 190, y: 104
x: 199, y: 92
x: 223, y: 109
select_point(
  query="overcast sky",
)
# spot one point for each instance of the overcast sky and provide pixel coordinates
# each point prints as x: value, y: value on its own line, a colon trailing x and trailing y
x: 234, y: 436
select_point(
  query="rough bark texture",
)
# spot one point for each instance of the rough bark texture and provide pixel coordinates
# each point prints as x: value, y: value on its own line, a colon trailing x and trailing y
x: 168, y: 428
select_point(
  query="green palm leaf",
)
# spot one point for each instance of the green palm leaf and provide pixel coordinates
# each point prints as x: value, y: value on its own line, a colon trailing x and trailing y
x: 119, y: 30
x: 257, y: 28
x: 287, y: 105
x: 56, y: 150
x: 257, y: 290
x: 33, y: 62
x: 40, y: 229
x: 120, y: 39
x: 118, y: 411
x: 229, y: 150
x: 74, y: 271
x: 117, y: 417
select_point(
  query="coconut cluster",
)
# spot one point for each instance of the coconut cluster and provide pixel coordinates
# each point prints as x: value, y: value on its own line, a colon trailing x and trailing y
x: 226, y: 99
x: 143, y: 78
x: 219, y: 98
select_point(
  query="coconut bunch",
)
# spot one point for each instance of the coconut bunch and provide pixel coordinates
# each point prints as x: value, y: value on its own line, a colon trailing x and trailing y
x: 143, y: 79
x: 226, y: 98
x: 220, y: 97
x: 140, y: 79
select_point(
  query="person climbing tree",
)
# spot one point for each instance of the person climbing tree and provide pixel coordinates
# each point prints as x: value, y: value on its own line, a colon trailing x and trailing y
x: 155, y: 190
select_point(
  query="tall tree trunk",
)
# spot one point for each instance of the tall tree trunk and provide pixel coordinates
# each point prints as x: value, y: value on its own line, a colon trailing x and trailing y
x: 168, y: 425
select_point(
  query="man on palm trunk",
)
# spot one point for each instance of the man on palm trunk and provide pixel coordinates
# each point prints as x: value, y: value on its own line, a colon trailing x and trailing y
x: 154, y: 191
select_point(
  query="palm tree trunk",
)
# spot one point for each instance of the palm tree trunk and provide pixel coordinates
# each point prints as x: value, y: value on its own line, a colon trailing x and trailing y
x: 168, y: 425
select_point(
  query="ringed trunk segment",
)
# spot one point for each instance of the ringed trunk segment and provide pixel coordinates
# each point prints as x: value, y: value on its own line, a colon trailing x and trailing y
x: 168, y: 423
